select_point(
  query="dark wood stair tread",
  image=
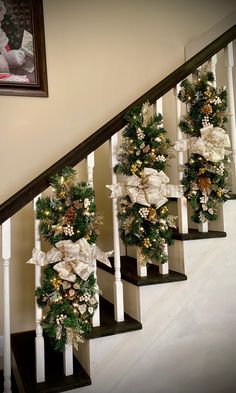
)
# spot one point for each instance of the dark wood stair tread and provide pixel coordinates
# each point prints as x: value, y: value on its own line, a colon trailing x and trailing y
x: 23, y: 350
x: 194, y: 234
x: 129, y: 273
x: 108, y: 326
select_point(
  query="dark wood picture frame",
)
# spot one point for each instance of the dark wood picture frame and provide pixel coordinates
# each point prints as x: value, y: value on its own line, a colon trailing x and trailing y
x: 38, y: 87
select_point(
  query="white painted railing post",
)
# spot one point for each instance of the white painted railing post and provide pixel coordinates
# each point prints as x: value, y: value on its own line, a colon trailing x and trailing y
x: 39, y: 339
x: 181, y: 202
x: 163, y: 267
x: 141, y: 268
x: 203, y: 227
x: 118, y: 285
x: 229, y: 63
x: 90, y: 169
x: 68, y: 360
x: 213, y: 63
x: 6, y: 255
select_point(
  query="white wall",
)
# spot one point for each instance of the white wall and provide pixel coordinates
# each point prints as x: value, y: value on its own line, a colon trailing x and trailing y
x: 101, y: 56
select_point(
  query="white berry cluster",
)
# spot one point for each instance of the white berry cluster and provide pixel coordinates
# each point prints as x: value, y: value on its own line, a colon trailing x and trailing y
x: 85, y: 297
x: 68, y: 230
x: 216, y: 101
x: 140, y: 134
x: 205, y: 121
x: 60, y: 319
x: 163, y: 224
x: 144, y: 211
x: 161, y: 158
x: 204, y: 199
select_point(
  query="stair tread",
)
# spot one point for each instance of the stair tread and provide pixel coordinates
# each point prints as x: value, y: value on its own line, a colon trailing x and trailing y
x: 108, y: 326
x: 23, y: 350
x: 129, y: 273
x: 194, y: 234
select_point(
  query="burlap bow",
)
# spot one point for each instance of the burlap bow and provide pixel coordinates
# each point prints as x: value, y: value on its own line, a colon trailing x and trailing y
x: 149, y: 189
x: 211, y: 145
x: 72, y: 258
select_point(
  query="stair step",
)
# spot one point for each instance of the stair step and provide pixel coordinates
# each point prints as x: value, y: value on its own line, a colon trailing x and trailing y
x: 129, y: 273
x: 194, y: 234
x: 109, y: 326
x: 23, y: 350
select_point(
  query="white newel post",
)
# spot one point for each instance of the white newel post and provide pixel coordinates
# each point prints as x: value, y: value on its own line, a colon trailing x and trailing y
x: 39, y: 339
x: 229, y: 62
x: 90, y: 169
x: 6, y: 255
x: 118, y: 285
x: 181, y: 202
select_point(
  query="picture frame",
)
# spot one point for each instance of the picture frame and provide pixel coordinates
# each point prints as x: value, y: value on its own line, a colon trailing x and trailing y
x: 22, y: 29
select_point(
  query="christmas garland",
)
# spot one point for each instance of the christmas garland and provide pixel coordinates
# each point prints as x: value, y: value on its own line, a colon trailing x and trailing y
x: 206, y: 172
x: 145, y: 221
x: 68, y: 292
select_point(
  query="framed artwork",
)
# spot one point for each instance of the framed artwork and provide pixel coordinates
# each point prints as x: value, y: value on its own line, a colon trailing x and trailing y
x: 23, y: 70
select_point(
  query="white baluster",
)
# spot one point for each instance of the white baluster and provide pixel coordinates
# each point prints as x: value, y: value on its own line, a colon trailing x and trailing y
x: 39, y: 339
x: 141, y: 268
x: 213, y: 68
x: 182, y: 202
x: 164, y: 267
x: 229, y: 62
x: 159, y: 106
x: 90, y: 169
x: 203, y: 227
x: 6, y: 255
x: 68, y: 359
x: 118, y: 285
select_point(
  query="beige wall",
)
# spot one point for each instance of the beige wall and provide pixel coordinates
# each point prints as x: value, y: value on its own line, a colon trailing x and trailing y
x: 101, y: 55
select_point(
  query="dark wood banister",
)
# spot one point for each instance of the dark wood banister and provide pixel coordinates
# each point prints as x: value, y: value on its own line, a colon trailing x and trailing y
x: 40, y: 183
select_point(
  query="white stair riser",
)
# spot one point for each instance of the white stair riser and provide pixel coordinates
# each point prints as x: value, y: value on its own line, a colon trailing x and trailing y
x: 131, y: 293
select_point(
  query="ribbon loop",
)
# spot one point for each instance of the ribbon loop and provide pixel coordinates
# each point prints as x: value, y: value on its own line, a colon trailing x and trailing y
x: 210, y: 145
x: 72, y: 258
x: 149, y: 189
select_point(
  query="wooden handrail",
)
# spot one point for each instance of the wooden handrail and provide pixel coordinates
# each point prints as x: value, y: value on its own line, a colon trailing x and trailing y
x: 41, y: 182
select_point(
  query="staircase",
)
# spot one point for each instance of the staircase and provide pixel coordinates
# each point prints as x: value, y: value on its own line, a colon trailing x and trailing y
x: 138, y: 316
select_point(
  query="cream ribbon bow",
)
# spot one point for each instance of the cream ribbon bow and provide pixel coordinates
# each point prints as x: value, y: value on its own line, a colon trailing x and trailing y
x: 72, y: 258
x: 211, y: 145
x: 149, y: 189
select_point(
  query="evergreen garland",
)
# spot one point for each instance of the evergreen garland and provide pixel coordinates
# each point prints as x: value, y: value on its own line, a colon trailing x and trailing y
x: 204, y: 179
x: 70, y: 214
x: 145, y: 145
